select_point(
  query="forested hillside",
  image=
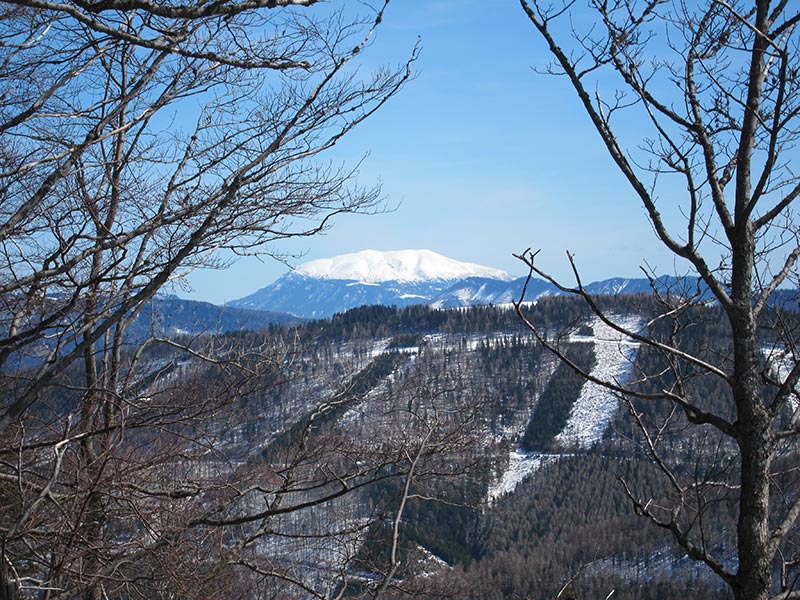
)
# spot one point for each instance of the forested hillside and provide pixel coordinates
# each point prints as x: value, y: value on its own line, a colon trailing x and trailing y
x: 381, y: 452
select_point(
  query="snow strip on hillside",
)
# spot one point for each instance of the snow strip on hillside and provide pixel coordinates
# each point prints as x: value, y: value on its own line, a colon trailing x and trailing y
x: 595, y: 405
x: 593, y: 409
x: 520, y: 466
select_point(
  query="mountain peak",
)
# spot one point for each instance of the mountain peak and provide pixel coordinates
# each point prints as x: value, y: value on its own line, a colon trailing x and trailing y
x: 372, y: 266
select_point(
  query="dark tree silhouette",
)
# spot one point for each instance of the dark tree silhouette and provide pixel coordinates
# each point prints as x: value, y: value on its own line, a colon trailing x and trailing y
x: 138, y: 139
x: 712, y: 88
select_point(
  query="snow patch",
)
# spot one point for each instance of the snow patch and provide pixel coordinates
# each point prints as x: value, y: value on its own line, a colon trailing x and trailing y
x: 780, y: 365
x: 429, y: 562
x: 521, y: 465
x: 465, y: 294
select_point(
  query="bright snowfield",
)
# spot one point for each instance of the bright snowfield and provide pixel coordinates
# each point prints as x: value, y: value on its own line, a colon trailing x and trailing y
x: 594, y: 407
x: 521, y: 465
x: 372, y: 266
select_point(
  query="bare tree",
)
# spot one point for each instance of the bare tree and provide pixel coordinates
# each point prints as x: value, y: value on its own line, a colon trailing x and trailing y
x: 166, y: 494
x: 140, y: 139
x: 712, y: 85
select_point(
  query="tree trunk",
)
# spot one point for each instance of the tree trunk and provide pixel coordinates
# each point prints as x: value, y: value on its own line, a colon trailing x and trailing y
x: 8, y: 588
x: 753, y: 435
x: 753, y: 578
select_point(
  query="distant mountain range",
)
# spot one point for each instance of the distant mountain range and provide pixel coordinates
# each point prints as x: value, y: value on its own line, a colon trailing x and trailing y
x: 320, y: 288
x: 172, y: 316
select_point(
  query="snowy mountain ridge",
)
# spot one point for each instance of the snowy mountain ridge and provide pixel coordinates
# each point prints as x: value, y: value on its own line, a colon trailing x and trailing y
x: 406, y: 266
x: 321, y: 288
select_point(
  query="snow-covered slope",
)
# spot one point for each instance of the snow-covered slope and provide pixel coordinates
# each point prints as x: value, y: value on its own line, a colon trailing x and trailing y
x: 316, y: 298
x: 592, y: 411
x: 596, y: 405
x: 372, y: 266
x: 480, y: 290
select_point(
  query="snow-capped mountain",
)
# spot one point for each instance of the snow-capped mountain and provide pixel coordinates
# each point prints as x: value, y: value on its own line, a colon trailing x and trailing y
x: 321, y: 288
x: 404, y: 266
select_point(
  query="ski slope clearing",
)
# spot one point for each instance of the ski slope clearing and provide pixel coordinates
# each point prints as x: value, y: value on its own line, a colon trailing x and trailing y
x: 521, y: 465
x: 593, y: 409
x: 596, y: 405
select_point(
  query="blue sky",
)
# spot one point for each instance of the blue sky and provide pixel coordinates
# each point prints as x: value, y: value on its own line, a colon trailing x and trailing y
x: 482, y: 156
